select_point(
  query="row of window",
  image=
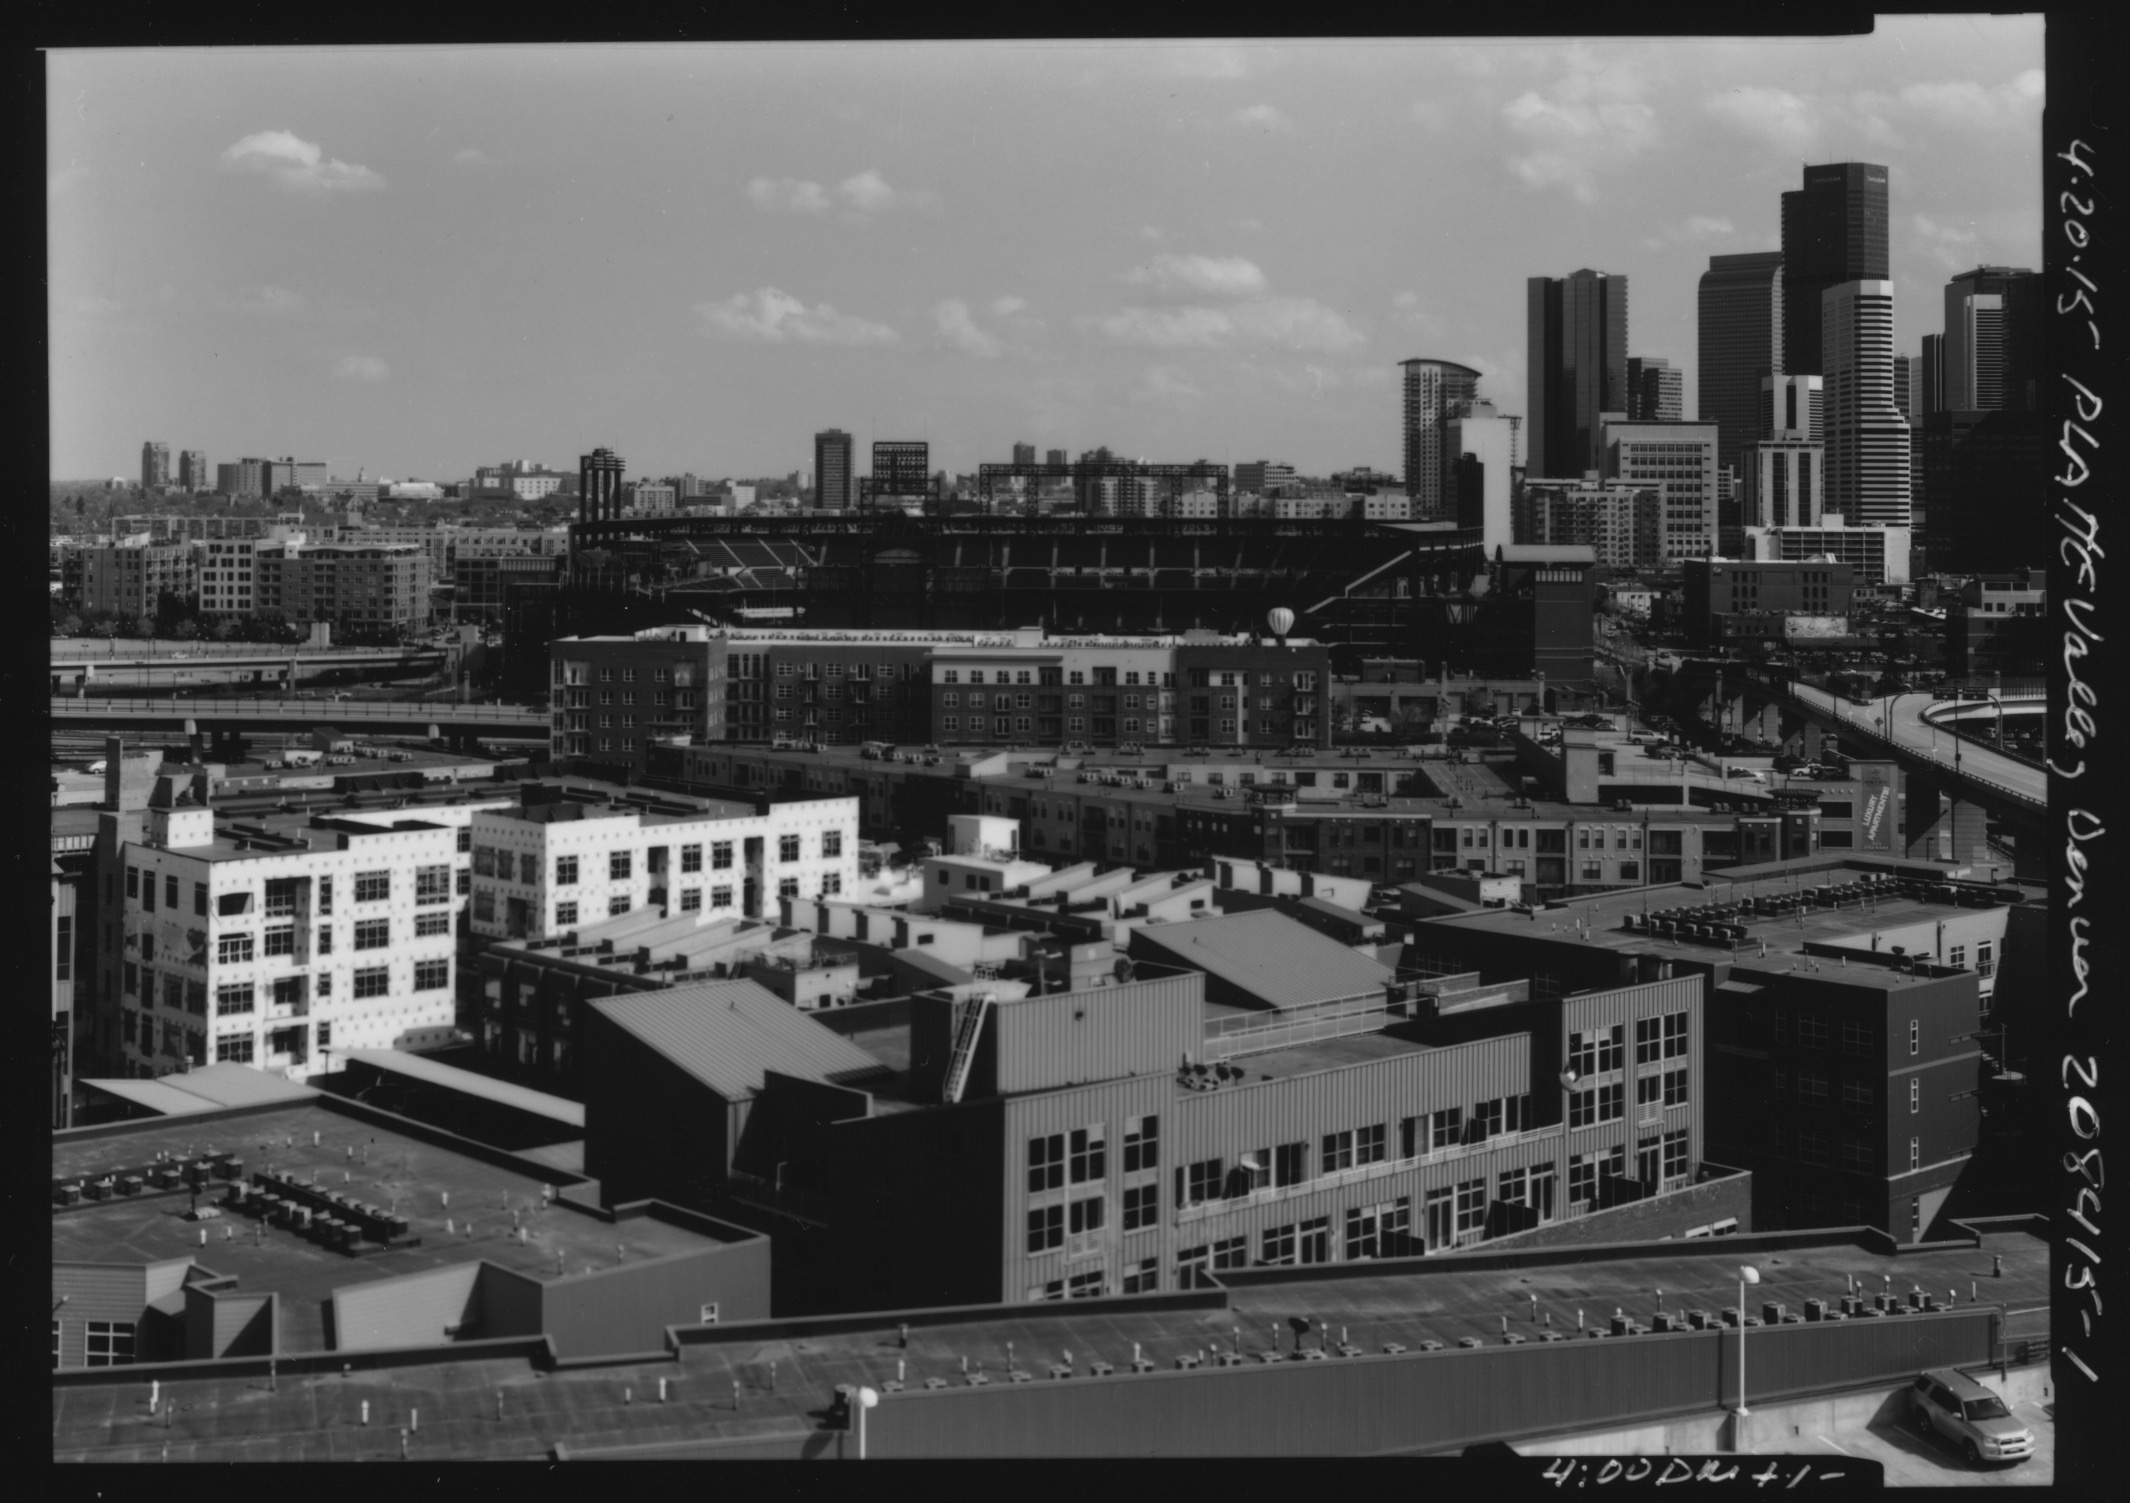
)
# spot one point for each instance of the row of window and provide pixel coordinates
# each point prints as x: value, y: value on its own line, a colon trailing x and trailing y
x: 1351, y: 1148
x: 621, y: 865
x: 1858, y: 1155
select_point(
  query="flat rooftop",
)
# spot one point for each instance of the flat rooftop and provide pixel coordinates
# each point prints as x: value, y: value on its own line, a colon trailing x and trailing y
x: 401, y: 1169
x: 315, y: 1418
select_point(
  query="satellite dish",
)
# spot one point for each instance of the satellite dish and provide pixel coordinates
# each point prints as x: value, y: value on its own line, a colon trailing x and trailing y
x: 1123, y: 969
x: 1281, y: 620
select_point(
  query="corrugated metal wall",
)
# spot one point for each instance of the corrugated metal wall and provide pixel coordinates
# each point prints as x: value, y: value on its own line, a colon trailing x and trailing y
x: 94, y: 1291
x: 627, y: 1309
x: 1128, y: 1029
x: 1428, y: 1402
x: 507, y: 1303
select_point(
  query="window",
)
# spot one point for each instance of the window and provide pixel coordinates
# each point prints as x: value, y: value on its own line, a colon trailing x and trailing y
x: 1142, y: 1143
x: 1812, y: 1147
x: 1856, y: 1155
x: 616, y: 906
x: 1144, y: 1278
x: 787, y: 848
x: 1811, y: 1087
x: 1582, y: 1053
x: 199, y: 899
x: 1811, y: 1031
x: 375, y: 982
x: 1915, y: 1154
x: 1201, y: 1181
x: 618, y: 866
x: 432, y: 975
x: 1915, y: 1036
x: 1856, y: 1097
x: 280, y: 939
x: 1338, y: 1151
x: 133, y: 882
x: 1675, y: 1161
x: 832, y: 843
x: 432, y: 885
x: 1371, y: 1145
x: 1612, y: 1048
x: 1046, y: 1229
x: 565, y: 914
x: 721, y: 855
x: 373, y: 887
x: 1088, y: 1160
x: 1191, y: 1269
x: 1471, y: 1206
x: 1142, y: 1205
x: 1485, y: 1122
x: 110, y: 1343
x: 1085, y: 1217
x: 1675, y: 1088
x: 462, y: 882
x: 1648, y: 1090
x: 1985, y: 958
x: 1675, y: 1035
x: 1915, y: 1095
x: 229, y: 1001
x: 1314, y: 1243
x: 429, y: 925
x: 1046, y: 1163
x: 373, y: 934
x: 1446, y: 1128
x: 720, y: 897
x: 1582, y: 1179
x: 1290, y: 1163
x: 233, y: 949
x: 565, y: 871
x: 1089, y: 1285
x: 1648, y: 1039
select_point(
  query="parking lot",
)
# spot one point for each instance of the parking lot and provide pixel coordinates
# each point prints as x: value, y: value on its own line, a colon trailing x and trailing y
x: 1917, y: 1457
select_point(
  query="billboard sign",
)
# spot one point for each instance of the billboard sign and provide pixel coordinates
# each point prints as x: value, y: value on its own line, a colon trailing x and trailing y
x: 1875, y: 814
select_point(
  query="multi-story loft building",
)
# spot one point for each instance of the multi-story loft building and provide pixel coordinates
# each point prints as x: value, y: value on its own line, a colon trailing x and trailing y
x: 480, y: 582
x: 835, y: 688
x: 649, y: 498
x: 1998, y: 624
x: 1577, y: 335
x: 1740, y: 321
x: 229, y: 576
x: 268, y: 943
x: 1621, y: 524
x: 1876, y: 556
x: 1833, y: 231
x: 599, y: 485
x: 1435, y: 392
x: 1678, y: 461
x: 1264, y: 477
x: 362, y: 586
x: 570, y: 854
x: 835, y: 471
x: 1024, y: 453
x: 614, y: 697
x: 131, y: 577
x: 1047, y: 1146
x: 1656, y: 390
x: 1844, y: 1003
x: 1867, y: 440
x: 1727, y: 599
x: 193, y: 474
x: 243, y: 481
x: 74, y: 914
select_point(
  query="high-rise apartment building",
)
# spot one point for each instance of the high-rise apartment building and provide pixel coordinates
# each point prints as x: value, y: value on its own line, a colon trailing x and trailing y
x: 1055, y: 456
x: 1867, y: 441
x: 1435, y: 392
x: 1792, y: 407
x: 1784, y: 483
x: 1929, y: 394
x: 1577, y: 333
x: 1483, y: 489
x: 599, y: 486
x: 671, y: 688
x: 1678, y: 461
x: 1264, y: 477
x: 1833, y: 231
x: 1024, y: 453
x: 155, y: 465
x: 193, y: 474
x: 244, y: 480
x: 1741, y: 345
x: 1992, y: 350
x: 1656, y: 391
x: 1619, y: 523
x: 835, y: 471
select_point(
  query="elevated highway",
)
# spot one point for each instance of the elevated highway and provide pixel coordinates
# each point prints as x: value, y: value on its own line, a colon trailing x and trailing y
x: 229, y: 720
x: 1908, y: 724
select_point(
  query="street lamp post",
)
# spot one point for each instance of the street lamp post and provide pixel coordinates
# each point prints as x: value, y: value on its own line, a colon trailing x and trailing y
x: 1747, y: 1274
x: 866, y: 1399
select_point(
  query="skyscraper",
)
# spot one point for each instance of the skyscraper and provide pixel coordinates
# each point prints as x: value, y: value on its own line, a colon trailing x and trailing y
x: 1656, y: 390
x: 1577, y: 368
x: 155, y: 465
x: 1930, y: 377
x: 193, y: 473
x: 1055, y: 456
x: 1833, y: 231
x: 1741, y: 345
x: 1024, y: 453
x: 599, y: 486
x: 1867, y: 442
x: 1992, y: 349
x: 1793, y: 407
x: 1483, y: 502
x: 835, y: 472
x: 1436, y: 391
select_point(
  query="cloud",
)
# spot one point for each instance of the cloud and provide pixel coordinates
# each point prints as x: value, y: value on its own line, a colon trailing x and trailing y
x: 1966, y: 104
x: 361, y: 368
x: 864, y: 194
x: 1952, y: 246
x: 1573, y: 137
x: 1433, y: 114
x: 1294, y: 323
x: 1410, y: 311
x: 958, y: 328
x: 1008, y: 305
x: 1260, y: 117
x: 272, y: 301
x: 60, y: 180
x: 1166, y: 385
x: 774, y: 317
x: 1775, y: 115
x: 1695, y: 229
x: 471, y: 156
x: 301, y: 166
x: 1219, y: 276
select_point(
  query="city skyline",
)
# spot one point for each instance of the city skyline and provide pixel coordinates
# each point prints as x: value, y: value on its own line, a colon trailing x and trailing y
x: 418, y: 261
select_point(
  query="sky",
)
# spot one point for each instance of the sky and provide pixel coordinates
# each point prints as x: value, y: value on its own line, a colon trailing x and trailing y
x: 413, y: 261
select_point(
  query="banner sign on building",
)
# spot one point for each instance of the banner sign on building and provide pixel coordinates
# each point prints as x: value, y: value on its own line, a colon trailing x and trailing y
x: 1875, y: 814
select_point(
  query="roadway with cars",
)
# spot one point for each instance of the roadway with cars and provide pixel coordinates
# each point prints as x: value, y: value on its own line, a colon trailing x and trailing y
x: 1914, y: 735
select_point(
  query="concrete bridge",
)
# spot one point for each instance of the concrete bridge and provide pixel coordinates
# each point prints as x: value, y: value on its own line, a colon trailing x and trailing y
x: 227, y: 721
x: 219, y: 662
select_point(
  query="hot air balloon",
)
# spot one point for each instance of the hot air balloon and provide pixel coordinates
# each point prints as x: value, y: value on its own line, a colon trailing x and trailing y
x: 1281, y: 620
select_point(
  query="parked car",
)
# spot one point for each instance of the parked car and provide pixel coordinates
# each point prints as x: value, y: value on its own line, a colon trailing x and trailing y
x: 1745, y: 772
x: 1787, y: 763
x: 1950, y: 1404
